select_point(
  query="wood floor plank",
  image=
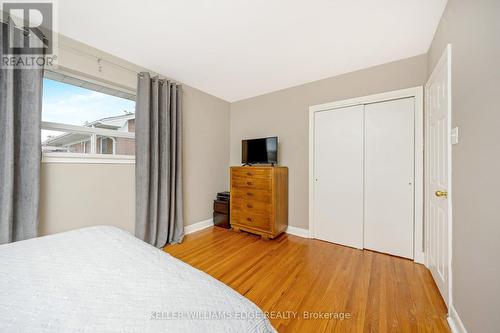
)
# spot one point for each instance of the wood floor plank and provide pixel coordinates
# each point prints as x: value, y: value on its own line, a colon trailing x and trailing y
x: 294, y: 279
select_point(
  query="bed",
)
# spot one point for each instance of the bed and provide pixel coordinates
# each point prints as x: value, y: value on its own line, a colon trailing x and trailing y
x: 103, y: 279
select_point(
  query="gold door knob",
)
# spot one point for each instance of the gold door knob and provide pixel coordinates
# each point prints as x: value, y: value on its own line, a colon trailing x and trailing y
x: 441, y: 194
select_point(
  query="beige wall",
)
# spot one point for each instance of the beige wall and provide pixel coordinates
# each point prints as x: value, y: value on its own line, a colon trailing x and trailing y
x: 285, y: 113
x: 206, y: 153
x: 78, y: 195
x: 473, y: 29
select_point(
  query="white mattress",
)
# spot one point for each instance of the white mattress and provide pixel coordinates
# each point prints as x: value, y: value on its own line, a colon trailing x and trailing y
x: 102, y: 279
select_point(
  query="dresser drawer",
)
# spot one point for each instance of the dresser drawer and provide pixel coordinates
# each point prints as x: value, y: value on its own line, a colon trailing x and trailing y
x: 250, y: 183
x: 251, y: 194
x: 251, y: 206
x: 252, y: 172
x: 259, y: 221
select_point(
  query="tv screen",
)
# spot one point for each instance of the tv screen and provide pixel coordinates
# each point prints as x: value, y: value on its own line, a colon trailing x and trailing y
x: 260, y: 151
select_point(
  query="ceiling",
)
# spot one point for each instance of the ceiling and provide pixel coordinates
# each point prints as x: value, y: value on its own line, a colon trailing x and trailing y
x: 236, y: 49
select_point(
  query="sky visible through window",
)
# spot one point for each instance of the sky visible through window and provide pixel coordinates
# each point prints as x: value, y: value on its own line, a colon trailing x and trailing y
x: 68, y: 104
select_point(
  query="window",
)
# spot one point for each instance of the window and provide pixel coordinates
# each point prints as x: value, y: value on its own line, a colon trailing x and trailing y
x: 81, y: 119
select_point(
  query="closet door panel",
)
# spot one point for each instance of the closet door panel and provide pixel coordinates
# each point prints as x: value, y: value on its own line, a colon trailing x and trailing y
x: 338, y: 170
x: 389, y: 177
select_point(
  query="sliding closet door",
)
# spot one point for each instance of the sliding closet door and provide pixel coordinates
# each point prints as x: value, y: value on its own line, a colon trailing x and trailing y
x: 389, y: 177
x: 338, y: 175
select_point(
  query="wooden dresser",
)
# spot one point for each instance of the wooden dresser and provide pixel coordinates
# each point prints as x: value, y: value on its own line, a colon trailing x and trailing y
x: 259, y: 199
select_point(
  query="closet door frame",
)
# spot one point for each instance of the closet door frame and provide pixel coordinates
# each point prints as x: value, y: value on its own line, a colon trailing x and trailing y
x: 418, y: 94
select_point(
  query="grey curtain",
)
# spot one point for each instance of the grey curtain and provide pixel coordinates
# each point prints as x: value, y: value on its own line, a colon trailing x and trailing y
x: 20, y: 113
x: 158, y: 170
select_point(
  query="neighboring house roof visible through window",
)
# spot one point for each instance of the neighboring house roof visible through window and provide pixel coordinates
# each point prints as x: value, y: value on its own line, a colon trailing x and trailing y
x: 118, y: 123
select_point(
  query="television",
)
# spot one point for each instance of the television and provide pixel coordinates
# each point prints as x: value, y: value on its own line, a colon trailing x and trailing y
x: 260, y: 151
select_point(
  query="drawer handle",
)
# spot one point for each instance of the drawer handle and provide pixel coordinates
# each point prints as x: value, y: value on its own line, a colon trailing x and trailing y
x: 249, y: 173
x: 249, y: 219
x: 249, y: 206
x: 249, y: 183
x: 249, y: 194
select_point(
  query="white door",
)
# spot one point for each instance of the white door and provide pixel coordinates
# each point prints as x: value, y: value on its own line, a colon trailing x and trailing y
x: 389, y: 177
x: 437, y: 178
x: 338, y: 176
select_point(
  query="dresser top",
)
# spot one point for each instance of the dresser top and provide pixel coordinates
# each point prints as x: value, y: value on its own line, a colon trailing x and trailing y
x: 253, y: 167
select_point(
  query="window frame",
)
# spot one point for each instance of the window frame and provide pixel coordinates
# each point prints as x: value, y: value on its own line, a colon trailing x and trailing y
x: 93, y: 157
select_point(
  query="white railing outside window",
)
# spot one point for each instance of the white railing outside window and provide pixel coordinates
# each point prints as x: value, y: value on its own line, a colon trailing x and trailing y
x: 87, y: 144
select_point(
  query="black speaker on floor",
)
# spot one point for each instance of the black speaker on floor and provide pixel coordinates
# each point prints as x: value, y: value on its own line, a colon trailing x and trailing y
x: 221, y: 210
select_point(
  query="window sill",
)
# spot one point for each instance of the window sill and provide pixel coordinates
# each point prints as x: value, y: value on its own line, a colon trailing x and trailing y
x: 75, y: 158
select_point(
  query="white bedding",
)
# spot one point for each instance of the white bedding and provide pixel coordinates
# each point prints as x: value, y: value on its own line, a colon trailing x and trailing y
x: 102, y: 279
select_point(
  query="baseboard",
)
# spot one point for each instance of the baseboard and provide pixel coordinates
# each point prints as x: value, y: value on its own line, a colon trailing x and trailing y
x: 456, y: 324
x: 297, y: 232
x: 189, y: 229
x: 419, y: 257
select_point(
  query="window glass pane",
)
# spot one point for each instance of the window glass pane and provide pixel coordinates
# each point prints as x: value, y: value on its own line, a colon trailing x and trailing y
x: 125, y: 146
x: 67, y: 104
x: 65, y: 142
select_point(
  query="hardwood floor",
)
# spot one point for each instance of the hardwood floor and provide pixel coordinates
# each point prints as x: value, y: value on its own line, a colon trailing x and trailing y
x: 295, y: 277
